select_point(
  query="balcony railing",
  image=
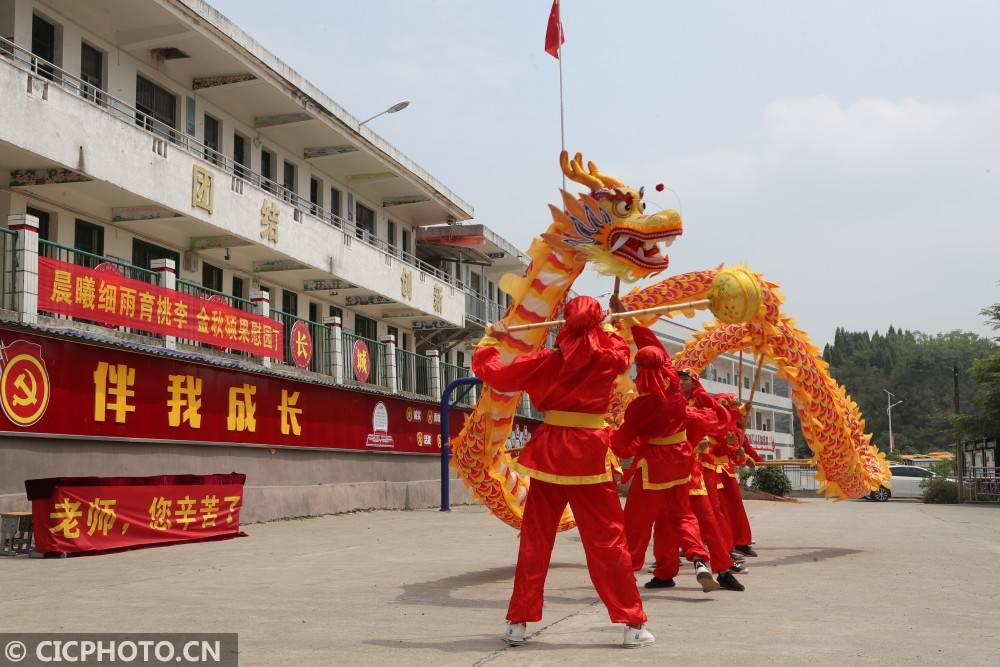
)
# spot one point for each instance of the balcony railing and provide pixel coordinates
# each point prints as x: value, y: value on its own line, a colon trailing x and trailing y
x: 374, y: 363
x: 92, y: 261
x: 130, y: 115
x: 413, y: 373
x: 480, y: 309
x: 8, y: 267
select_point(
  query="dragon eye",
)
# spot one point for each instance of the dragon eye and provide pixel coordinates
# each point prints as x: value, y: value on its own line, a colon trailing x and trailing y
x: 643, y: 207
x: 623, y: 208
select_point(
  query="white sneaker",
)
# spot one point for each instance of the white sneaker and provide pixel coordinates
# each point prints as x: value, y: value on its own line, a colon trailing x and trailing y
x: 637, y: 637
x: 705, y: 578
x: 515, y: 633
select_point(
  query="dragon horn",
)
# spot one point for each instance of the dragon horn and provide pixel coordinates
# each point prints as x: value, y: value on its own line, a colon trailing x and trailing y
x: 574, y: 170
x: 608, y: 181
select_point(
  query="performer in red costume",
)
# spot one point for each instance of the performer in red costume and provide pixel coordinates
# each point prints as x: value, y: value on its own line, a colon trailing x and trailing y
x: 739, y: 452
x: 569, y: 461
x: 713, y: 459
x: 708, y: 523
x: 654, y: 432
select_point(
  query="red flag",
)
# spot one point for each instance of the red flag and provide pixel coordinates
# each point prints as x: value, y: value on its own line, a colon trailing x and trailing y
x: 554, y: 36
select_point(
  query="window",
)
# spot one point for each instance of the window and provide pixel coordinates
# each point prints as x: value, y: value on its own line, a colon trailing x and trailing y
x: 405, y: 343
x: 211, y: 277
x: 365, y: 222
x: 335, y: 201
x: 88, y: 238
x: 267, y: 167
x: 239, y: 288
x: 212, y: 134
x: 904, y: 471
x: 43, y: 45
x: 337, y: 312
x: 241, y: 156
x: 460, y: 359
x: 289, y: 302
x: 43, y: 222
x: 91, y: 72
x: 144, y: 253
x: 315, y: 194
x: 407, y: 247
x: 158, y: 107
x: 313, y: 311
x: 391, y: 236
x: 289, y: 181
x: 366, y: 327
x: 394, y: 332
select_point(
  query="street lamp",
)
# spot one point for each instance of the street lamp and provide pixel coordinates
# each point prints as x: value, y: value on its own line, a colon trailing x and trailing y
x: 398, y: 106
x: 890, y: 405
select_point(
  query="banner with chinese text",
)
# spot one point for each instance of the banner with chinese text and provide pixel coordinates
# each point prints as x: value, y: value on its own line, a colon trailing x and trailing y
x: 111, y: 298
x: 94, y: 514
x: 62, y: 387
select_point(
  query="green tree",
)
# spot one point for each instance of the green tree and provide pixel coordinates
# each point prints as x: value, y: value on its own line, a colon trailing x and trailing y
x: 984, y: 420
x: 917, y: 368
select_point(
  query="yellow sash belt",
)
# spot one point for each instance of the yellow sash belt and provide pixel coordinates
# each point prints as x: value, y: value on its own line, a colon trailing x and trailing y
x: 675, y: 439
x: 574, y: 419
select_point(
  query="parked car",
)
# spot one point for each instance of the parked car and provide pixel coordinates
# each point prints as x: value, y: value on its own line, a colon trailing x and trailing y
x: 906, y: 483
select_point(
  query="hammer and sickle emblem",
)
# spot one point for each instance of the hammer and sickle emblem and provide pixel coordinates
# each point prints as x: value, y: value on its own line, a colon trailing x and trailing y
x: 30, y: 395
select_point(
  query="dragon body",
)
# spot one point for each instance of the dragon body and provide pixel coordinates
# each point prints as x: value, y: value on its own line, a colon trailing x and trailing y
x: 608, y: 228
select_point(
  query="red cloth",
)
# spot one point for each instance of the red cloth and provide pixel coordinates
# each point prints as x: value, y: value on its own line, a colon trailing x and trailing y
x: 739, y: 523
x: 554, y: 37
x: 708, y: 525
x: 598, y: 515
x: 577, y: 376
x: 714, y: 486
x: 676, y: 525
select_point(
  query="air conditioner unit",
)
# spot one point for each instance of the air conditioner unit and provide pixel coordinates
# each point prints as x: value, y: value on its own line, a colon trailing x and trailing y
x: 190, y: 262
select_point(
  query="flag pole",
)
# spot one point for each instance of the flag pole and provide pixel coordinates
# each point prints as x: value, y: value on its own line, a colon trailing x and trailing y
x: 562, y: 115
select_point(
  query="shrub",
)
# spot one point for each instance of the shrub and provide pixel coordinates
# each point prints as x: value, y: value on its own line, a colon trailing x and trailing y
x: 744, y: 476
x: 771, y: 480
x: 939, y: 490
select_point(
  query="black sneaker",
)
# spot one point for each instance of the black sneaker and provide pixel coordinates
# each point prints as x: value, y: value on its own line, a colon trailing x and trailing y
x: 736, y: 556
x: 739, y: 567
x: 746, y: 550
x: 729, y: 582
x: 660, y: 583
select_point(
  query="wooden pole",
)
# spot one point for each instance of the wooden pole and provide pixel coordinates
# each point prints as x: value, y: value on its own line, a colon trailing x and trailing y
x: 655, y: 310
x: 739, y: 380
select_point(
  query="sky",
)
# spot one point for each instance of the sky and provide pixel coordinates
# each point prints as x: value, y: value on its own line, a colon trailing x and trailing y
x: 848, y: 151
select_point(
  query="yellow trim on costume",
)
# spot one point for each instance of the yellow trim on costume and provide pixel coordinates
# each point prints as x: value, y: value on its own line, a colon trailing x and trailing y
x: 711, y: 440
x: 675, y: 439
x: 718, y: 485
x: 722, y: 460
x: 610, y: 463
x: 700, y: 491
x: 729, y: 472
x: 658, y: 486
x: 710, y: 466
x: 574, y: 419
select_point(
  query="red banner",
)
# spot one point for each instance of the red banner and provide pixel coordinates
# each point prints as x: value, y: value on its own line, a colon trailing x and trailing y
x: 112, y: 299
x: 94, y: 514
x: 62, y: 387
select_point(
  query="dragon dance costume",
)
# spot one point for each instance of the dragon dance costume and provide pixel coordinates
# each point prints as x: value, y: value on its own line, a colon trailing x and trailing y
x: 655, y: 431
x: 738, y: 451
x: 569, y: 460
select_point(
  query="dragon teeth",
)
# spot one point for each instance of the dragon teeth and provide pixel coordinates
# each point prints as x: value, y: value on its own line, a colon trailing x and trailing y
x: 619, y: 243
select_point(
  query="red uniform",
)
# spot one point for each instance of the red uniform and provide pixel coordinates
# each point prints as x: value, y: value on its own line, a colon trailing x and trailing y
x: 654, y: 432
x: 569, y: 460
x: 738, y: 451
x: 708, y: 526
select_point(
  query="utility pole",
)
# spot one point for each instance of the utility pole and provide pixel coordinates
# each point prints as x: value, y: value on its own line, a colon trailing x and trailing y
x: 890, y: 405
x: 959, y: 461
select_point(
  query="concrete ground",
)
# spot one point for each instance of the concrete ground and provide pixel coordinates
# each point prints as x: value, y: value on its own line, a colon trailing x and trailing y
x: 897, y: 583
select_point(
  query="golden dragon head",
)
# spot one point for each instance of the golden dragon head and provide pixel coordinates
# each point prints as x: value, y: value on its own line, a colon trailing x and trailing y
x: 609, y: 226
